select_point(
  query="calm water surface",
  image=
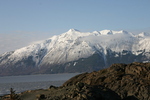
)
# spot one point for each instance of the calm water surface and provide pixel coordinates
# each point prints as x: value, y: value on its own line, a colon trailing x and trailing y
x: 31, y: 82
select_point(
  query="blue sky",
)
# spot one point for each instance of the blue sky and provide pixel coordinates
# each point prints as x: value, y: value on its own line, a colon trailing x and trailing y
x: 31, y: 20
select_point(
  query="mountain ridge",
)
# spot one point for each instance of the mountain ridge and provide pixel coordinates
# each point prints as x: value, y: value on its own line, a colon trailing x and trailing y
x: 74, y: 45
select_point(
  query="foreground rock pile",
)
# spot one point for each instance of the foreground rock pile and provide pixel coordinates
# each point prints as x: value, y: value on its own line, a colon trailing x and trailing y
x: 118, y: 82
x: 78, y: 91
x: 127, y: 80
x: 81, y: 91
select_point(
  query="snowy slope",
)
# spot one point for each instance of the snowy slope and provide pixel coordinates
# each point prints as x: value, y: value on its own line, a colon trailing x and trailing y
x: 74, y: 45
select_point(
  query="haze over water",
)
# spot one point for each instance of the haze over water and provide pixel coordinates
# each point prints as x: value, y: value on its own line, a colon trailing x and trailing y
x: 31, y: 82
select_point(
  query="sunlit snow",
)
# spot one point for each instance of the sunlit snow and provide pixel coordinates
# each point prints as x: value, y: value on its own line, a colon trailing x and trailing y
x: 73, y: 45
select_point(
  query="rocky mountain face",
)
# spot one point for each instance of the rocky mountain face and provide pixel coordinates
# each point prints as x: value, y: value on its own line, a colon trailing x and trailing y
x: 76, y: 51
x: 127, y: 80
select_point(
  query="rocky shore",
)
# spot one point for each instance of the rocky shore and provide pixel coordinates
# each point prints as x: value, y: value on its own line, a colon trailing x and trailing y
x: 118, y: 82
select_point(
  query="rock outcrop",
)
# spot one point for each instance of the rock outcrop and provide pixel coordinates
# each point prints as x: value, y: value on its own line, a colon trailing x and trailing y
x: 118, y: 82
x: 78, y: 91
x: 81, y: 91
x: 127, y: 80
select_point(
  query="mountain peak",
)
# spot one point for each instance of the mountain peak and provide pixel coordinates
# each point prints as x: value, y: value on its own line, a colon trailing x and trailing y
x: 143, y: 34
x: 111, y: 32
x: 123, y: 31
x: 73, y: 30
x: 106, y: 32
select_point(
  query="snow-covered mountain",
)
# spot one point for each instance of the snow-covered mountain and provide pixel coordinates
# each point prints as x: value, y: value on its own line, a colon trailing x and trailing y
x: 75, y: 51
